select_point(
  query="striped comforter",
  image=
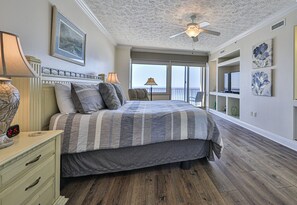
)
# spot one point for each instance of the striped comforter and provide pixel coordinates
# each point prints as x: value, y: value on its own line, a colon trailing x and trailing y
x: 136, y: 123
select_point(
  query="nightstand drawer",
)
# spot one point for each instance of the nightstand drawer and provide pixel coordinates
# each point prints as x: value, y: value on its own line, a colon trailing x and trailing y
x: 46, y: 195
x: 29, y: 161
x: 30, y: 183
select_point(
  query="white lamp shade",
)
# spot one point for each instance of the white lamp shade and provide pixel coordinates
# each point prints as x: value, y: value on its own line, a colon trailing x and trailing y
x: 193, y: 31
x: 112, y: 78
x: 12, y: 60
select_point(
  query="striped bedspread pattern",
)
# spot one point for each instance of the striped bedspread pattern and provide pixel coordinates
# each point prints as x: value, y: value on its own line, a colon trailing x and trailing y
x: 135, y: 123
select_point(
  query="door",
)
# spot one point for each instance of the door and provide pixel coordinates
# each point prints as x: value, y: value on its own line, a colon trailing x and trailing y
x: 195, y: 86
x: 178, y: 83
x: 187, y: 84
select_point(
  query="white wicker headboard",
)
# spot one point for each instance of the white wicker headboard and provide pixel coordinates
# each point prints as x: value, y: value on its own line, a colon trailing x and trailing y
x: 38, y: 100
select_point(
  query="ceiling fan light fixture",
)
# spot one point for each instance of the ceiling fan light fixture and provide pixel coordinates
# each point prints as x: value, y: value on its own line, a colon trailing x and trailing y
x: 193, y: 31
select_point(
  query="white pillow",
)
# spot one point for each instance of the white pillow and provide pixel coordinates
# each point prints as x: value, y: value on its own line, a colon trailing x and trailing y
x: 64, y: 100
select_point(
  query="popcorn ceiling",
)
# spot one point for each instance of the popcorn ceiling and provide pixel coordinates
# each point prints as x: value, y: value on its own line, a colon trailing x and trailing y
x: 149, y: 23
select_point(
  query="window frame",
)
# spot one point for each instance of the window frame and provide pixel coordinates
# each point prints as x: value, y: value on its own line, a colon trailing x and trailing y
x: 168, y: 72
x: 157, y: 63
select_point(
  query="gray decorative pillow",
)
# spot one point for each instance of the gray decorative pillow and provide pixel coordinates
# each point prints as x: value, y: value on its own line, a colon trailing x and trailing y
x: 86, y: 98
x: 120, y: 93
x: 109, y: 96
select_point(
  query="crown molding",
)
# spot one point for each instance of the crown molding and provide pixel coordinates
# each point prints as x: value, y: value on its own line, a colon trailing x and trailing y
x: 95, y: 20
x: 260, y: 25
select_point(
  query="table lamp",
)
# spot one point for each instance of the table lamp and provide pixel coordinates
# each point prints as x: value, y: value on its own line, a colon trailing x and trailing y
x: 112, y: 78
x: 151, y: 82
x: 12, y: 64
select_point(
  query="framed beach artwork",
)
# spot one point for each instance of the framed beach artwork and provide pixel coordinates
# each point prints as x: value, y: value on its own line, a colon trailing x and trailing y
x: 262, y: 54
x: 261, y: 83
x: 68, y: 42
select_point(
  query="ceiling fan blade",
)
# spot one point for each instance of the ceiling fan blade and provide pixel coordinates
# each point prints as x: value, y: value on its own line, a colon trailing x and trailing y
x: 177, y: 34
x: 195, y: 39
x: 203, y: 24
x: 211, y: 32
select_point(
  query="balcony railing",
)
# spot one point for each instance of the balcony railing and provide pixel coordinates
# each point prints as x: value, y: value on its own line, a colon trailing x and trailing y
x: 178, y: 94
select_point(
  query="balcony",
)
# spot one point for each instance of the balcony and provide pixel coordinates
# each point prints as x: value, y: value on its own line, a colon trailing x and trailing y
x: 179, y: 94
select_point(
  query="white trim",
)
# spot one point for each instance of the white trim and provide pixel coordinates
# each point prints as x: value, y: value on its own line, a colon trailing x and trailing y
x: 289, y: 143
x: 268, y: 21
x: 229, y: 95
x: 95, y: 20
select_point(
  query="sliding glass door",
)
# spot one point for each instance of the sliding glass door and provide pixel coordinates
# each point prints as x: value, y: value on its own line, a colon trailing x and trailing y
x: 195, y: 86
x: 178, y: 83
x: 187, y: 84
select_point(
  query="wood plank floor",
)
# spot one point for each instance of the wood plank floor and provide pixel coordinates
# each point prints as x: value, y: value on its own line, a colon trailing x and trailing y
x: 252, y: 170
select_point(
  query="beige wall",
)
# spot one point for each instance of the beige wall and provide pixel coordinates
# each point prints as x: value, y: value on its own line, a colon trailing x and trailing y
x: 122, y: 66
x: 274, y: 114
x: 31, y: 20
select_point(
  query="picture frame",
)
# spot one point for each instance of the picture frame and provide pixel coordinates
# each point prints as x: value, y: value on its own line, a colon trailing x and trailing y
x: 68, y: 42
x: 261, y: 83
x: 262, y: 54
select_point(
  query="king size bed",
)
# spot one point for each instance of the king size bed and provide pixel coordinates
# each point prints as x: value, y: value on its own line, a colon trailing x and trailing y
x: 139, y: 134
x: 136, y: 135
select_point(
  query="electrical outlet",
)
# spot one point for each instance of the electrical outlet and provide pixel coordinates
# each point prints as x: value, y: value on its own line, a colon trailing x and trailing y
x: 252, y: 114
x: 255, y: 114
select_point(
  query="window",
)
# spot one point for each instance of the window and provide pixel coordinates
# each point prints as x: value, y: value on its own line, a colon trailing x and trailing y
x: 141, y: 72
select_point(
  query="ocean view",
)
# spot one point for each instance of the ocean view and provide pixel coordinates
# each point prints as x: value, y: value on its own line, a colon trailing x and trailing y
x: 178, y: 93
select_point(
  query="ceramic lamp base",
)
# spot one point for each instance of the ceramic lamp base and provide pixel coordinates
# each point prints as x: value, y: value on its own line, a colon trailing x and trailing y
x: 9, y: 103
x: 5, y: 141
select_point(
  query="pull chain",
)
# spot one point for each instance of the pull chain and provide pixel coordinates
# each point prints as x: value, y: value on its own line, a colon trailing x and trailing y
x: 193, y: 47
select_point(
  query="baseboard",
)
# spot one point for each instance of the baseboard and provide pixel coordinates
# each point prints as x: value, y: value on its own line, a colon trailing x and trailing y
x: 292, y: 144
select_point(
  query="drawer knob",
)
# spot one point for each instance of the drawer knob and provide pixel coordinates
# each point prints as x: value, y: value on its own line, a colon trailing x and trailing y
x: 34, y: 160
x: 33, y: 184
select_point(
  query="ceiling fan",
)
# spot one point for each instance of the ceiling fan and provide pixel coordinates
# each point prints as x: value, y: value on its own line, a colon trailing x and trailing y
x: 194, y: 29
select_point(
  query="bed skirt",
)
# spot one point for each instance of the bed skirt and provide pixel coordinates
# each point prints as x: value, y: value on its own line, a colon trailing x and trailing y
x: 129, y: 158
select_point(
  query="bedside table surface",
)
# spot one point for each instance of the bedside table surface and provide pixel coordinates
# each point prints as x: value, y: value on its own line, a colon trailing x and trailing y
x: 26, y: 141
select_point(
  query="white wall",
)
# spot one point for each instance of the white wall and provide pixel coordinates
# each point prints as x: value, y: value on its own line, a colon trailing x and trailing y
x: 274, y: 114
x: 31, y: 21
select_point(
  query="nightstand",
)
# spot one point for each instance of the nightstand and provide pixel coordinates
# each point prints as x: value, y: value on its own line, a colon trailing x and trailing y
x: 30, y: 169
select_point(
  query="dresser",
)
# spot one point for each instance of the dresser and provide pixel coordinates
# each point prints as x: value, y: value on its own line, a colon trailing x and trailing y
x: 30, y: 170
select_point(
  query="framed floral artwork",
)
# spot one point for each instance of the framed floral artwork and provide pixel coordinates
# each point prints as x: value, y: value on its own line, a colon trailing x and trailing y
x: 262, y: 54
x: 68, y: 42
x: 261, y: 83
